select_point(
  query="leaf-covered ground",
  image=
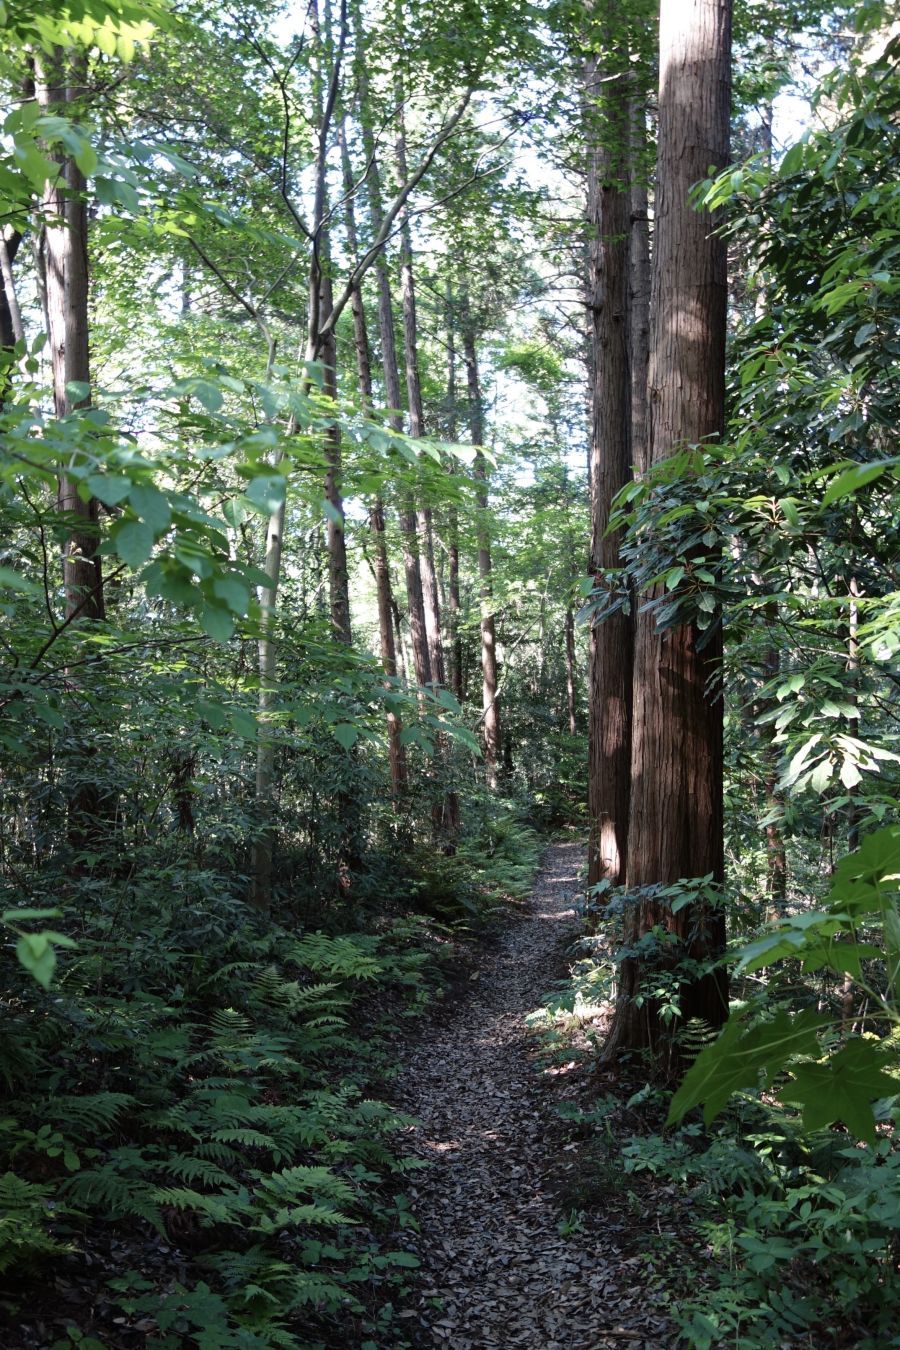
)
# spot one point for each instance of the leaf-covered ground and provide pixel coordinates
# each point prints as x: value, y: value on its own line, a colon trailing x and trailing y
x: 503, y: 1264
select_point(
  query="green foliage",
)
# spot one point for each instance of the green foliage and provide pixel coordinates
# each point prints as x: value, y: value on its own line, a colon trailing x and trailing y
x: 830, y: 1079
x: 213, y: 1091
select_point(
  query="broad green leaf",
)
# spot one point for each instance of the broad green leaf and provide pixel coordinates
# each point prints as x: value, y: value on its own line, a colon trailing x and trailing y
x: 851, y: 480
x: 37, y: 955
x: 108, y: 488
x: 217, y: 622
x: 735, y: 1061
x: 152, y: 507
x: 234, y: 592
x: 267, y: 492
x: 133, y: 542
x: 843, y: 1088
x: 346, y: 734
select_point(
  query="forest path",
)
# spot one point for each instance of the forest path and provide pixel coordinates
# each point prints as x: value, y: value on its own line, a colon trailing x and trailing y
x: 496, y: 1269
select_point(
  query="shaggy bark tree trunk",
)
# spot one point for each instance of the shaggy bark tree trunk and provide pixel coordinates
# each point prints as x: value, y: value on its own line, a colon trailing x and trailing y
x: 675, y: 825
x: 639, y: 295
x: 609, y: 211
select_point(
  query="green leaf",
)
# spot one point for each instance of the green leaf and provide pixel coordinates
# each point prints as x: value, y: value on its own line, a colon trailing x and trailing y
x: 234, y: 592
x: 29, y: 915
x: 244, y: 723
x: 851, y: 480
x: 38, y: 956
x: 217, y: 622
x: 346, y: 734
x: 78, y: 390
x: 133, y: 542
x: 152, y: 507
x: 11, y: 580
x: 267, y: 492
x: 736, y: 1059
x: 108, y: 488
x: 843, y: 1088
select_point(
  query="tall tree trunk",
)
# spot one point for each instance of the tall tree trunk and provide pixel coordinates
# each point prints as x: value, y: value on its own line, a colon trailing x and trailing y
x: 776, y: 856
x: 639, y: 294
x: 381, y: 568
x: 445, y: 812
x: 59, y: 84
x: 338, y: 576
x: 424, y: 529
x: 456, y: 657
x: 611, y: 650
x: 390, y: 368
x: 11, y: 330
x: 570, y: 670
x: 676, y: 804
x: 490, y: 691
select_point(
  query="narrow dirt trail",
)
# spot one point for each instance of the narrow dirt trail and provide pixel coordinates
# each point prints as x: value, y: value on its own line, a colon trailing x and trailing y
x: 496, y: 1269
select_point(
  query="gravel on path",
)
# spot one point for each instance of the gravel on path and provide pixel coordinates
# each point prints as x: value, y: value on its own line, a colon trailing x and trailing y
x: 497, y: 1270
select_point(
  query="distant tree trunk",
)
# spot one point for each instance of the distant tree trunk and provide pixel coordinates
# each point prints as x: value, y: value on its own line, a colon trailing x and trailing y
x: 381, y: 568
x: 776, y: 856
x: 391, y: 372
x: 338, y: 576
x: 676, y: 805
x: 431, y: 605
x: 611, y: 650
x: 570, y: 670
x: 490, y: 691
x: 456, y: 657
x: 445, y: 812
x: 11, y: 327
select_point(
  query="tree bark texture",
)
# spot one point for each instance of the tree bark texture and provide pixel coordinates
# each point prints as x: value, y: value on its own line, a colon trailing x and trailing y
x: 676, y: 804
x: 639, y: 293
x: 611, y: 647
x: 66, y: 284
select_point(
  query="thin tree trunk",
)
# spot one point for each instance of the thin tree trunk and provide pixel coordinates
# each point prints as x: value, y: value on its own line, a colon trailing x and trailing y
x: 424, y: 531
x: 611, y: 650
x: 338, y: 576
x: 570, y: 670
x: 445, y: 812
x: 676, y: 805
x: 490, y: 694
x: 456, y: 657
x: 12, y: 329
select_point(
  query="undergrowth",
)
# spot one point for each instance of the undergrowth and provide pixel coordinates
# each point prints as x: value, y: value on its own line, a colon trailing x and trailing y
x: 196, y: 1152
x: 188, y: 1118
x: 787, y: 1236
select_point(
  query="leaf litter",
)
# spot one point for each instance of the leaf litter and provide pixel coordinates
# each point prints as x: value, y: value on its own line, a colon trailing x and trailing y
x: 500, y: 1266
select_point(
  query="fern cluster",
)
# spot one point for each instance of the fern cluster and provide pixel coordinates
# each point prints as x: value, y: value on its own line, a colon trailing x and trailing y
x: 212, y: 1093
